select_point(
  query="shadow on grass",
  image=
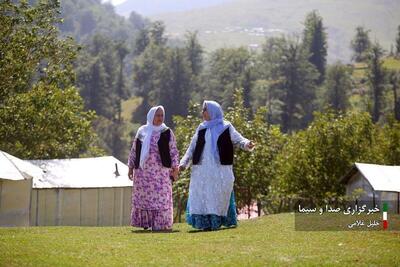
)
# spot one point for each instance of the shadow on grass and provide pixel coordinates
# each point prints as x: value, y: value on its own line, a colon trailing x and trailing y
x: 206, y: 231
x: 154, y: 232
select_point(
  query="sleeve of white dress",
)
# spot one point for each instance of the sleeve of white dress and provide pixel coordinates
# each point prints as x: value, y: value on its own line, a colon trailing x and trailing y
x: 238, y: 139
x: 186, y: 160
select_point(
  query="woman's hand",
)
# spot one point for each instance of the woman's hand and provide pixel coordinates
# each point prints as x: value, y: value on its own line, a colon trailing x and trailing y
x: 251, y: 145
x: 175, y: 173
x: 181, y: 168
x: 130, y: 174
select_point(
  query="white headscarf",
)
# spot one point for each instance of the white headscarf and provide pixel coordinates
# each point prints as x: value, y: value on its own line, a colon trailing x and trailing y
x: 145, y: 131
x: 216, y: 124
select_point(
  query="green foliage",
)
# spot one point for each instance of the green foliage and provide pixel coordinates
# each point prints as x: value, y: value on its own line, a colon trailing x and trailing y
x: 313, y: 161
x: 314, y: 40
x: 41, y: 113
x: 30, y: 48
x: 194, y: 52
x: 377, y: 80
x: 84, y: 18
x: 398, y: 42
x: 389, y: 142
x: 394, y: 80
x: 338, y: 87
x: 100, y: 77
x: 45, y: 123
x: 163, y: 76
x: 229, y: 68
x: 360, y: 44
x: 293, y: 81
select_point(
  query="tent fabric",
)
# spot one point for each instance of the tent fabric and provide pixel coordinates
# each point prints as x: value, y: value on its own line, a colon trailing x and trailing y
x: 12, y: 168
x: 380, y: 177
x: 82, y: 173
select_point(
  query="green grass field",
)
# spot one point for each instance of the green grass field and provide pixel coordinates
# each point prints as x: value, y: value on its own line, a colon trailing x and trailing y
x: 392, y: 63
x: 270, y: 240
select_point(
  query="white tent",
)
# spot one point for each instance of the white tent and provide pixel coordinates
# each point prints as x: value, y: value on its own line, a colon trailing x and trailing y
x: 378, y: 182
x: 15, y: 189
x: 82, y: 191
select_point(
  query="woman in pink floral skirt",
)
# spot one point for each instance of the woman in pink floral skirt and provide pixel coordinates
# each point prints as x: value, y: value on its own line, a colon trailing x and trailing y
x: 153, y: 159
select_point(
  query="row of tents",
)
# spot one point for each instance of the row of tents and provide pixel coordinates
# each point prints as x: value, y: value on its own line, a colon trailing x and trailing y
x: 81, y: 192
x: 97, y: 191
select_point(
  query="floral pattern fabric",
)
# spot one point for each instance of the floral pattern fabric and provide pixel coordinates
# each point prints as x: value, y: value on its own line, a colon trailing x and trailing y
x: 152, y: 187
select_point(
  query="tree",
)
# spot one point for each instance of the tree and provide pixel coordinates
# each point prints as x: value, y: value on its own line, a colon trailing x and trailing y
x: 389, y: 142
x: 194, y: 52
x: 137, y: 21
x: 141, y: 42
x: 101, y: 79
x: 394, y: 79
x: 314, y: 40
x: 338, y: 86
x: 314, y: 159
x: 360, y: 44
x: 297, y: 82
x: 376, y: 77
x: 156, y: 33
x: 398, y: 42
x: 36, y: 73
x: 227, y: 72
x: 176, y: 83
x: 163, y: 75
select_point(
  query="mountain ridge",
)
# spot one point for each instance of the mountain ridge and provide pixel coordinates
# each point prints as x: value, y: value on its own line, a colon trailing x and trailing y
x: 248, y: 22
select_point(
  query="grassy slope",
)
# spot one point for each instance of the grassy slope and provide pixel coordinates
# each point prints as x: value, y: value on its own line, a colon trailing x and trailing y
x: 359, y: 102
x: 340, y: 17
x: 269, y: 240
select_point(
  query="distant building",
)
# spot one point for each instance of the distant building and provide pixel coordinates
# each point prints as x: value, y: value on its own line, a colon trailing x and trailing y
x: 378, y: 183
x: 76, y: 192
x: 15, y: 190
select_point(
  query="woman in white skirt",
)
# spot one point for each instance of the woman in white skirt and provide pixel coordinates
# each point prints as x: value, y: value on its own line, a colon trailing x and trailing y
x: 211, y: 202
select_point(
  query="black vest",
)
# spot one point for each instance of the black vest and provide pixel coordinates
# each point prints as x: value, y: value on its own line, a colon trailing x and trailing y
x: 224, y: 143
x: 163, y: 147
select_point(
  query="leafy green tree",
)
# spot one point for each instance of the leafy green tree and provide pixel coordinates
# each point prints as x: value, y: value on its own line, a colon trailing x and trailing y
x: 314, y: 40
x: 41, y: 112
x: 394, y: 80
x: 229, y: 68
x: 163, y: 75
x: 141, y: 42
x: 101, y: 79
x: 376, y: 77
x: 398, y: 42
x: 338, y: 86
x: 194, y: 52
x: 176, y: 82
x: 389, y: 142
x: 314, y: 159
x: 297, y: 82
x: 51, y: 124
x: 360, y: 44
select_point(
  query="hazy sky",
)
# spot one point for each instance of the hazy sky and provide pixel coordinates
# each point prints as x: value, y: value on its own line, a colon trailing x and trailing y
x: 115, y: 2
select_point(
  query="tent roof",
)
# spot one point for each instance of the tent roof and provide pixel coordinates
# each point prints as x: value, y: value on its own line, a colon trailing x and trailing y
x: 381, y: 177
x: 82, y: 173
x: 12, y: 168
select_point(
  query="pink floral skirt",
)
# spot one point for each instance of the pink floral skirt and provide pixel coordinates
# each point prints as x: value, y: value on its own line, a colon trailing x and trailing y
x: 154, y: 219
